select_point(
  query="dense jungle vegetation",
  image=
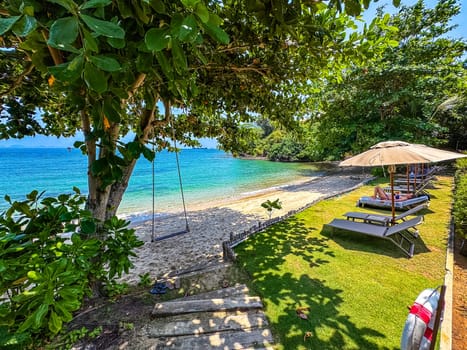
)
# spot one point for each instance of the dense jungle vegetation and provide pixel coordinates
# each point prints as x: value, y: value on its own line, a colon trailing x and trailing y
x: 415, y: 91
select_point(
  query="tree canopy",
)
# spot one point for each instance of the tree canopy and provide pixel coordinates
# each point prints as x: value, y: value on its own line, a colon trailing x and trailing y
x: 106, y: 67
x: 414, y: 92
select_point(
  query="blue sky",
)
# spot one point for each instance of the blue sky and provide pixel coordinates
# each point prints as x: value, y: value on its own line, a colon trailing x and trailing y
x: 459, y: 32
x: 460, y: 20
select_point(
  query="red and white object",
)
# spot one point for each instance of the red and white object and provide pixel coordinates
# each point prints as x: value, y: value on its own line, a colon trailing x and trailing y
x: 418, y: 329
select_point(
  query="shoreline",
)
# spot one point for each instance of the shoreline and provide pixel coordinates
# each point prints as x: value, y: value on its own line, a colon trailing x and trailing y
x: 212, y: 222
x: 146, y: 216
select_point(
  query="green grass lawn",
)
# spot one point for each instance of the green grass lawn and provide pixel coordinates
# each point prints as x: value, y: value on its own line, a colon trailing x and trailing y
x: 356, y: 287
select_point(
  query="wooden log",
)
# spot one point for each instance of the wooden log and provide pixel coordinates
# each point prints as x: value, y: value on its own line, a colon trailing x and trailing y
x: 206, y: 323
x: 237, y: 290
x: 256, y: 339
x: 191, y: 306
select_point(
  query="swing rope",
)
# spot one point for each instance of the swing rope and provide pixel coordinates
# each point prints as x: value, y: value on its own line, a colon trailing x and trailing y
x: 187, y: 227
x: 153, y: 189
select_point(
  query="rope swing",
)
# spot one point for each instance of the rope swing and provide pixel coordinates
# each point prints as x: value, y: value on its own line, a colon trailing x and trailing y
x: 187, y: 228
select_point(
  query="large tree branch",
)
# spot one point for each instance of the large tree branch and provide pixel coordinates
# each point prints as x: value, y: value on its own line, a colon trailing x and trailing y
x: 259, y: 70
x: 118, y: 188
x: 135, y: 86
x: 56, y: 57
x: 91, y: 154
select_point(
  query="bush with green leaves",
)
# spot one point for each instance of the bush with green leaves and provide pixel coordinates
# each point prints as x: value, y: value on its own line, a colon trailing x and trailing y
x: 271, y: 205
x: 51, y: 250
x: 460, y: 200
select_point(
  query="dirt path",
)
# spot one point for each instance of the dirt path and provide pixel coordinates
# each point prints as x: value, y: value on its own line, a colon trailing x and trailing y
x: 459, y: 302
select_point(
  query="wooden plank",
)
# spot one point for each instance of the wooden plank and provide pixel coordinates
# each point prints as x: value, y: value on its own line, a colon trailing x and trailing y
x: 208, y: 305
x: 240, y: 289
x: 256, y: 339
x: 206, y: 323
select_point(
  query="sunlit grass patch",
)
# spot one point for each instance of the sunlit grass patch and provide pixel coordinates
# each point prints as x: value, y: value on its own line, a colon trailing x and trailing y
x: 356, y: 288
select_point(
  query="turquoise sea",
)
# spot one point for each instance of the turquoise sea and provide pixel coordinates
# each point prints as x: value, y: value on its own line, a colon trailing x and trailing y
x: 207, y: 175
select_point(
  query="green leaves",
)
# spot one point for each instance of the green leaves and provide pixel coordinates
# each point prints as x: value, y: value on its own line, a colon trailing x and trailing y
x: 95, y: 78
x: 25, y: 25
x: 7, y: 23
x: 68, y: 4
x: 216, y: 32
x: 157, y: 5
x: 202, y: 12
x: 105, y: 28
x: 63, y: 31
x: 190, y: 3
x: 105, y: 63
x: 95, y: 4
x: 44, y: 280
x: 55, y: 323
x: 157, y: 39
x: 68, y: 72
x: 271, y: 205
x: 189, y: 29
x: 88, y: 226
x: 179, y: 58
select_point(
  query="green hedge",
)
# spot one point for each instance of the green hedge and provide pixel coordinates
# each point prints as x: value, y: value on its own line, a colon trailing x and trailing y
x: 460, y: 201
x: 44, y: 276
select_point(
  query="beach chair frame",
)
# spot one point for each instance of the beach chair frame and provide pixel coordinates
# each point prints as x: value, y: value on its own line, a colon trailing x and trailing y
x: 394, y: 233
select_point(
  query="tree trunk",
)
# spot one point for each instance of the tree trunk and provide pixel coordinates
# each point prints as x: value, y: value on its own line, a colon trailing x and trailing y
x: 117, y: 190
x: 104, y: 203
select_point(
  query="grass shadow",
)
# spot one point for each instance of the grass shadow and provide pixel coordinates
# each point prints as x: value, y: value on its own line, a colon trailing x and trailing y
x: 280, y: 257
x: 354, y: 287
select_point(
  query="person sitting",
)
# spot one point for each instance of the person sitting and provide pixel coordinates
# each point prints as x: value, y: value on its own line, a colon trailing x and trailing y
x: 380, y: 194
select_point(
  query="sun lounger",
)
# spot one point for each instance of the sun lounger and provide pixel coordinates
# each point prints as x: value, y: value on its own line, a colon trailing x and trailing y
x: 402, y: 181
x: 393, y: 233
x: 419, y: 189
x: 420, y: 175
x: 386, y: 204
x: 385, y: 220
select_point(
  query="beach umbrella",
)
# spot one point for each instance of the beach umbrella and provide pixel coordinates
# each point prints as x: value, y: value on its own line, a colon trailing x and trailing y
x: 392, y: 153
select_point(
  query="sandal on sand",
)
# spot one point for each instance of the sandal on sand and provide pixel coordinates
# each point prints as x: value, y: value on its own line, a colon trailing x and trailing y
x: 159, y: 288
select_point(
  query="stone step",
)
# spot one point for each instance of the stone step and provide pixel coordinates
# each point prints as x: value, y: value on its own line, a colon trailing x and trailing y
x: 178, y: 306
x: 232, y: 340
x: 205, y: 323
x: 240, y: 289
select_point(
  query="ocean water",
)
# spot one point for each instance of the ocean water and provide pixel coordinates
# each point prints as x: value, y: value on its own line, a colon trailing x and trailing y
x: 207, y: 175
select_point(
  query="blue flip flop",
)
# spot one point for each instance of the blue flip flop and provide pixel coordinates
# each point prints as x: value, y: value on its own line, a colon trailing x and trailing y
x: 159, y: 288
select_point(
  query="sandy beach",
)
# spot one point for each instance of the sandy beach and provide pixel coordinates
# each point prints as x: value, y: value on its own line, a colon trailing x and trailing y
x: 211, y: 224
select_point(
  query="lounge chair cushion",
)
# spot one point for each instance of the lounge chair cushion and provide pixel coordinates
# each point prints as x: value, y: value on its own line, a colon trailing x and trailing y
x: 386, y: 204
x: 383, y: 219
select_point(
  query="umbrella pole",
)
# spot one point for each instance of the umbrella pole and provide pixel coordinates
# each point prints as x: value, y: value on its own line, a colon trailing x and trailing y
x: 415, y: 180
x: 408, y: 179
x: 392, y: 170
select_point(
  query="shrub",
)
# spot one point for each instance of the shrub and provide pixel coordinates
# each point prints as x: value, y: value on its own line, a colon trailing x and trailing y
x: 271, y: 205
x: 460, y: 201
x: 50, y: 251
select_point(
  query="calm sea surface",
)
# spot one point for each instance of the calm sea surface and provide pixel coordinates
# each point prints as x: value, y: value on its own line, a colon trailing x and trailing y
x: 207, y: 174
